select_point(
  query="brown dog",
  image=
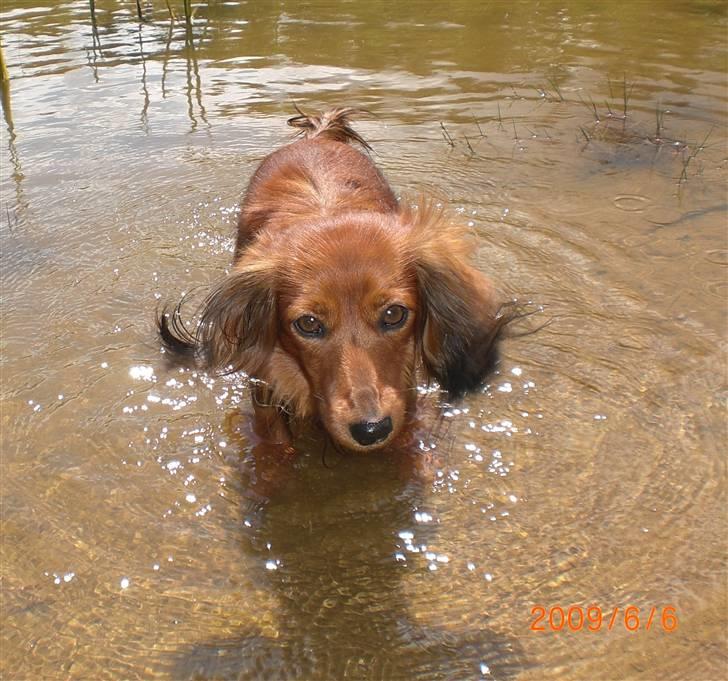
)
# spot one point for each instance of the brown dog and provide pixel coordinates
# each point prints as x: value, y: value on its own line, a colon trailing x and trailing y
x: 338, y: 294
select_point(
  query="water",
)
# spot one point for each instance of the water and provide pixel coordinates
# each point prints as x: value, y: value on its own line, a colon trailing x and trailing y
x: 140, y: 537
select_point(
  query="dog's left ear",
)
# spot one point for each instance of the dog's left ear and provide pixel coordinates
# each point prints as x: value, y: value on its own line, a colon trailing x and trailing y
x: 459, y: 322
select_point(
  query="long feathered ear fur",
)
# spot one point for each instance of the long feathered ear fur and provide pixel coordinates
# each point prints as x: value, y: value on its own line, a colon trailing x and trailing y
x: 237, y: 327
x: 460, y: 318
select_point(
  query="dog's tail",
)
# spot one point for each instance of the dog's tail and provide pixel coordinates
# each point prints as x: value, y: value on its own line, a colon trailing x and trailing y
x: 333, y: 125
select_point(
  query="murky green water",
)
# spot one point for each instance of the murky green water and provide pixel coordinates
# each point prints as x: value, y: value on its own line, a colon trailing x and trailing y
x: 590, y: 471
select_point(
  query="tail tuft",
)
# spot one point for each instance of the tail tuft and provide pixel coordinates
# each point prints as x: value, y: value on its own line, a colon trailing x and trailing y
x: 333, y: 125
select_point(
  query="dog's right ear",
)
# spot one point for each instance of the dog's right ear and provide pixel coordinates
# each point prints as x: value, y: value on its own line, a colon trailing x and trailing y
x: 237, y: 328
x: 238, y: 325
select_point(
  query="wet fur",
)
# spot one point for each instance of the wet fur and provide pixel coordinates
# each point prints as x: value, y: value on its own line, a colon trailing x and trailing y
x: 320, y: 223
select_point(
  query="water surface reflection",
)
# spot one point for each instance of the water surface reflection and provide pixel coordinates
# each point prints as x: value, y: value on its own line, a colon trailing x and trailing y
x: 333, y: 545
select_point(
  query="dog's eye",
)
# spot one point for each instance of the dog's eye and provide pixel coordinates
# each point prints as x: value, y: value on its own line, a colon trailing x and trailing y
x: 394, y: 317
x: 308, y: 325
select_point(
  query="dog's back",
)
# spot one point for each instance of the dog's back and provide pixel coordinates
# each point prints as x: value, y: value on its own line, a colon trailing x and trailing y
x: 321, y: 175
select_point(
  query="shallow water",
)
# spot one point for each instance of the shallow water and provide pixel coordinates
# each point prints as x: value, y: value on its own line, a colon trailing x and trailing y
x: 137, y: 539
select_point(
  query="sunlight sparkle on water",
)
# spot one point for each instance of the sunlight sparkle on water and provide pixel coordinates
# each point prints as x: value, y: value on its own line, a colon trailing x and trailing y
x: 143, y: 372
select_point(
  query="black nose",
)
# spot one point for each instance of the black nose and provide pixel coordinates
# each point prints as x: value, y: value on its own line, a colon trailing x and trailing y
x: 368, y: 432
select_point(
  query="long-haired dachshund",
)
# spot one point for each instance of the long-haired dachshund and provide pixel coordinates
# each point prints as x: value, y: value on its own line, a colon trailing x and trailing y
x: 338, y: 294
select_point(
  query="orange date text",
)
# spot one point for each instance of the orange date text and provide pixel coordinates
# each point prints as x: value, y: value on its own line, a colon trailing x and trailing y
x: 592, y: 618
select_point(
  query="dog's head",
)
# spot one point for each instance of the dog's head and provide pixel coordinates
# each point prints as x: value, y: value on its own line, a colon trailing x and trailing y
x: 337, y: 316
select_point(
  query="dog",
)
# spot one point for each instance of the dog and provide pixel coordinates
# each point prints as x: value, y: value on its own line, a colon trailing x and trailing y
x: 339, y: 294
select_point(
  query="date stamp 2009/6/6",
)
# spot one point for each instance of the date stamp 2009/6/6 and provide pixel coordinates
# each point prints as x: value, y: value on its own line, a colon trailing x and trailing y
x: 593, y: 618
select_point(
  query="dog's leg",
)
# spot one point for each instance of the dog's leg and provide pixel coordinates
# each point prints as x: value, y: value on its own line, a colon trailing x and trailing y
x: 270, y: 422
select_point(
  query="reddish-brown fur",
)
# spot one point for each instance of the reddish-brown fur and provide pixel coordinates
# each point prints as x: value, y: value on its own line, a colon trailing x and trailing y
x: 321, y: 236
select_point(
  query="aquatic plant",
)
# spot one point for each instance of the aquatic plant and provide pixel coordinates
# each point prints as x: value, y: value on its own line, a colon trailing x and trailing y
x: 4, y: 75
x: 172, y: 15
x: 188, y: 13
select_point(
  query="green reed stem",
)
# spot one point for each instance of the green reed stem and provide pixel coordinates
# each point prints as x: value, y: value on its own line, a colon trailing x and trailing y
x: 4, y: 75
x: 169, y: 9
